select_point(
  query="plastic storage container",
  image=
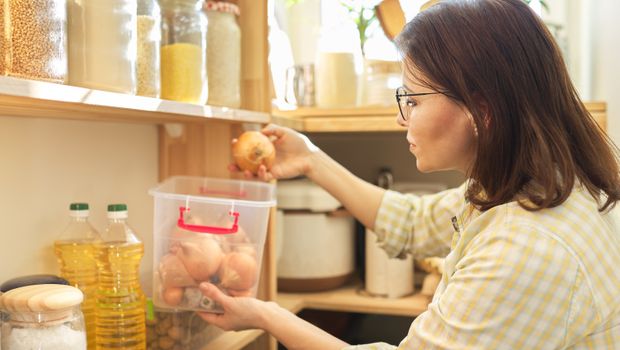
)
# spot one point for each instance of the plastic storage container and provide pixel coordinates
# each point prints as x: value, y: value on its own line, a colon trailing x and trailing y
x: 120, y: 300
x: 170, y: 329
x: 208, y: 230
x: 43, y: 317
x: 223, y: 54
x: 102, y: 44
x: 34, y: 45
x: 149, y: 41
x: 183, y: 51
x: 75, y: 249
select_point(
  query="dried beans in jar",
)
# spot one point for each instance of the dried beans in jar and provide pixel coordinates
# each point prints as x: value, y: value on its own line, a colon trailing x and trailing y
x: 35, y: 39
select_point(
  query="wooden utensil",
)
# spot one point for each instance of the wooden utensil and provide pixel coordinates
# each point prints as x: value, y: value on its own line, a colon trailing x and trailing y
x: 391, y: 17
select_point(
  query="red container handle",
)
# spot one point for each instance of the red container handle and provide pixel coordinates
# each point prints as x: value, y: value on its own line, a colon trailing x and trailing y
x: 208, y: 229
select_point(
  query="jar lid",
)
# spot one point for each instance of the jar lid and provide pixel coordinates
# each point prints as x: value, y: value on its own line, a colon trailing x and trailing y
x: 41, y: 298
x: 221, y: 6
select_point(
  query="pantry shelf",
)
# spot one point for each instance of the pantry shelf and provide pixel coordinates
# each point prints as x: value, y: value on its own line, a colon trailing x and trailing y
x: 352, y: 298
x: 370, y: 119
x: 29, y: 98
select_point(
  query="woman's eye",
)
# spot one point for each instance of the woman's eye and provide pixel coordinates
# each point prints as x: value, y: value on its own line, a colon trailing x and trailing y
x: 410, y: 102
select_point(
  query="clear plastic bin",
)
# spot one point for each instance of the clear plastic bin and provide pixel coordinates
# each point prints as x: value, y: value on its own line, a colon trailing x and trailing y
x: 208, y: 230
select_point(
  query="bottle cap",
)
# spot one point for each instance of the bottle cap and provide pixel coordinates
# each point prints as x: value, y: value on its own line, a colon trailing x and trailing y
x: 78, y: 206
x: 79, y: 210
x: 117, y: 211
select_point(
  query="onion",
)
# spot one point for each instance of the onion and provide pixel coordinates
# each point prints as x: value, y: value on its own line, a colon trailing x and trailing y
x: 239, y: 271
x: 252, y: 149
x: 202, y: 258
x: 173, y: 273
x: 173, y: 296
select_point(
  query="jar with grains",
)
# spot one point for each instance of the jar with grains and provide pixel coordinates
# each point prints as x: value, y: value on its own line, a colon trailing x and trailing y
x: 223, y: 54
x: 43, y: 317
x: 102, y: 44
x: 183, y: 51
x: 149, y: 40
x: 35, y: 39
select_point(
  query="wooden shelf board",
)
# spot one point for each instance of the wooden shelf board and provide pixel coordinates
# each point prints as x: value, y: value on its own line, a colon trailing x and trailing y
x: 234, y: 340
x: 29, y: 98
x: 369, y: 119
x: 351, y: 299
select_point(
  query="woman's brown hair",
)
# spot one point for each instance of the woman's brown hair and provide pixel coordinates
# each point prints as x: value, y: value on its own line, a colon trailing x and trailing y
x: 535, y: 136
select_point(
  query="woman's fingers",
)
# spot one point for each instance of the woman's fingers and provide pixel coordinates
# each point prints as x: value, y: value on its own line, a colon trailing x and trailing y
x: 273, y: 130
x: 214, y: 293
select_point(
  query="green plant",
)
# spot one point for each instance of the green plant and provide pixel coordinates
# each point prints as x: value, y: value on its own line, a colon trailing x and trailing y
x: 362, y: 12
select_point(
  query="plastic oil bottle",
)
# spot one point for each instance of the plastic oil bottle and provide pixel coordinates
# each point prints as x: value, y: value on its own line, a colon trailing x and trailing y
x: 75, y: 250
x: 121, y: 304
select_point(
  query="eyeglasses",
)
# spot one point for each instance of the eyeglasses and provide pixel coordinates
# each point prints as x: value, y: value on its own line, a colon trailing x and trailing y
x: 404, y: 104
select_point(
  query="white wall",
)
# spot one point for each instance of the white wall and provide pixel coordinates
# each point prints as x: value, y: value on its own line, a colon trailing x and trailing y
x: 606, y: 60
x: 47, y: 164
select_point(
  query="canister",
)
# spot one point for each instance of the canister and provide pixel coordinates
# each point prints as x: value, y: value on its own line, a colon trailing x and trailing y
x: 223, y: 54
x: 183, y: 51
x: 44, y: 317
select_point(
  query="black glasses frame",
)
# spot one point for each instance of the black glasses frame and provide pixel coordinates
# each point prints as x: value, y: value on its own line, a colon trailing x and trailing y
x: 399, y: 95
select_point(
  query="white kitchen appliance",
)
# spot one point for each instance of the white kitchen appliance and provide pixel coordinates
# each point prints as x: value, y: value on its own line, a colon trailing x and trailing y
x: 317, y: 241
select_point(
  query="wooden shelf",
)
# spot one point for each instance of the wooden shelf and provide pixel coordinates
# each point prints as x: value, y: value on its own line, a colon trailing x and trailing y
x: 29, y: 98
x: 339, y: 120
x: 234, y: 340
x: 352, y: 298
x: 370, y: 119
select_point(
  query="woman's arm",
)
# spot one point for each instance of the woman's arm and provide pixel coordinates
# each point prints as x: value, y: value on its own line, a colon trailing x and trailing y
x: 296, y: 155
x: 246, y: 313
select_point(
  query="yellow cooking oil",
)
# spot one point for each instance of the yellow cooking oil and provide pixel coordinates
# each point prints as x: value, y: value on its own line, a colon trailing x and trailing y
x: 78, y: 266
x: 121, y: 304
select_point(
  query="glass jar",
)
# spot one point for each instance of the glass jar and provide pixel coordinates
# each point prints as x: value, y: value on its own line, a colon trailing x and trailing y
x: 379, y: 81
x: 149, y: 41
x: 223, y: 54
x: 43, y: 317
x: 183, y: 51
x: 35, y: 42
x: 102, y: 47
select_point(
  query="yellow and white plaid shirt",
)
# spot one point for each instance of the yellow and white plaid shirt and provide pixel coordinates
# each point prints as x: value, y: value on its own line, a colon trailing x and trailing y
x: 513, y: 279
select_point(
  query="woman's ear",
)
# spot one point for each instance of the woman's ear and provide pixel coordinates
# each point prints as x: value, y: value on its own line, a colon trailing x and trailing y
x: 482, y: 106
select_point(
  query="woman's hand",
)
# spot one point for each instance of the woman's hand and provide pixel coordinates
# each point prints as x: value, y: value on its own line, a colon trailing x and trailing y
x: 294, y: 153
x: 239, y: 312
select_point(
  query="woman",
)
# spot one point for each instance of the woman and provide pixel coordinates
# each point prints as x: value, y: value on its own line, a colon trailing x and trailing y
x: 531, y: 253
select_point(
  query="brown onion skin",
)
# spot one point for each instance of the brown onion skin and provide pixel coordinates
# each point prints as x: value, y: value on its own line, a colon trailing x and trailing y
x: 173, y: 295
x: 239, y: 271
x: 253, y: 149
